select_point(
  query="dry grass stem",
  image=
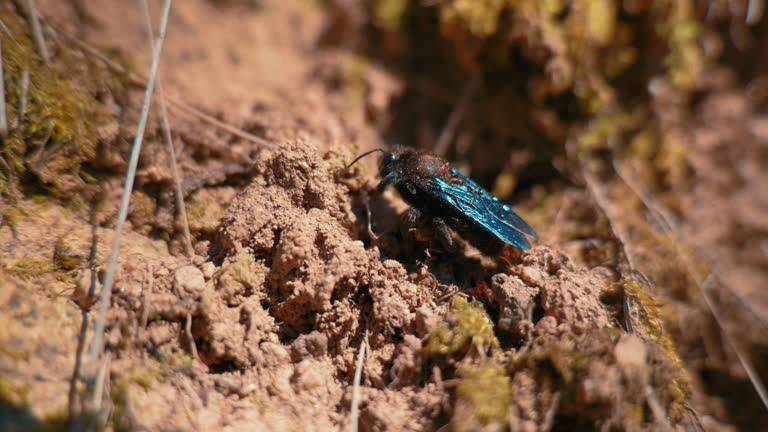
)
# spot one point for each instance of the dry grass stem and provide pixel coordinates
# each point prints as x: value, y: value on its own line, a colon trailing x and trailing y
x: 662, y: 419
x: 101, y: 394
x: 449, y: 130
x: 354, y: 411
x: 755, y: 11
x: 23, y: 95
x: 175, y: 102
x: 549, y: 420
x: 662, y: 215
x: 178, y: 192
x: 84, y: 320
x: 37, y: 31
x: 190, y: 337
x: 3, y: 116
x: 213, y: 121
x: 97, y: 343
x: 598, y: 194
x: 746, y: 363
x: 663, y: 218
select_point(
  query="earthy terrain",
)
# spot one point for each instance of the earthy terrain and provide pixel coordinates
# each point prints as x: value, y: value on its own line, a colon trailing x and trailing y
x: 633, y: 136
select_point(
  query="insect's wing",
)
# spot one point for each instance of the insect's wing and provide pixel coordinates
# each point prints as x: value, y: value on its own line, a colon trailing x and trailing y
x: 477, y: 205
x: 499, y: 209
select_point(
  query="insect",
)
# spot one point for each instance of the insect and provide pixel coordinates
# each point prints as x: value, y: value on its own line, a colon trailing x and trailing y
x: 443, y: 197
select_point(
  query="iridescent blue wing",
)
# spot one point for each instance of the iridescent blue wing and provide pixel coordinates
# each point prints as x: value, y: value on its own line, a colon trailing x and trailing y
x: 499, y: 209
x: 472, y: 201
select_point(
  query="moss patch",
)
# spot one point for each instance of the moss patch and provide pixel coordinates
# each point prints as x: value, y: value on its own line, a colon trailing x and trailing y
x: 12, y: 394
x: 66, y: 106
x: 485, y: 388
x: 469, y: 325
x: 145, y: 376
x: 675, y: 388
x: 30, y: 267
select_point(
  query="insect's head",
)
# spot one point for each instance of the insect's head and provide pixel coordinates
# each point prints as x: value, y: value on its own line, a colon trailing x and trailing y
x: 385, y: 165
x: 387, y: 162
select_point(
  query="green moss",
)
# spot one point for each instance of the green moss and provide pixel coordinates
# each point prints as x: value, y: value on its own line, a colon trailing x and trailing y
x: 469, y: 326
x: 676, y: 387
x: 242, y: 270
x: 479, y: 16
x: 389, y: 13
x: 606, y: 126
x: 145, y: 376
x: 557, y: 362
x: 30, y: 267
x: 260, y: 405
x: 204, y: 211
x: 635, y: 412
x: 55, y: 419
x: 677, y: 23
x: 182, y: 359
x: 64, y: 258
x: 14, y: 354
x: 11, y: 394
x: 59, y: 129
x: 486, y: 389
x: 12, y: 215
x: 142, y: 211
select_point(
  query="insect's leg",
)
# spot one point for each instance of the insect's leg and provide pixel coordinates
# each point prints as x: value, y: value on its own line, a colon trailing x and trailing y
x: 411, y: 221
x: 443, y: 234
x: 367, y: 204
x: 385, y: 181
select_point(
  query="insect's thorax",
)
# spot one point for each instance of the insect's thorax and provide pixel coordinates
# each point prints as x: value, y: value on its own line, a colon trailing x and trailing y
x: 418, y: 172
x: 426, y: 167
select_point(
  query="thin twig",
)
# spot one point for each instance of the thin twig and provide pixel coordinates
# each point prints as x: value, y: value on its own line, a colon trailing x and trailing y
x: 37, y: 32
x: 661, y: 215
x: 189, y: 109
x: 549, y: 418
x: 658, y: 411
x: 9, y: 33
x: 755, y: 10
x: 3, y: 117
x: 84, y: 321
x: 78, y: 364
x: 23, y: 94
x: 449, y: 130
x: 180, y: 206
x: 626, y: 308
x: 745, y: 303
x: 193, y: 414
x: 144, y: 308
x: 106, y: 291
x: 137, y: 80
x: 101, y: 376
x: 179, y: 192
x: 133, y: 78
x: 598, y: 194
x: 354, y: 409
x: 754, y: 377
x: 102, y: 389
x: 663, y: 218
x: 696, y: 418
x: 190, y: 337
x: 668, y: 228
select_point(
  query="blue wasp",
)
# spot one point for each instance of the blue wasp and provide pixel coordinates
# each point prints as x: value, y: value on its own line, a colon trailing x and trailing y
x: 443, y: 197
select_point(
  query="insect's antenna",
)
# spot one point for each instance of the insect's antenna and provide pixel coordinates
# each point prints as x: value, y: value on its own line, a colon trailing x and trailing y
x: 364, y: 155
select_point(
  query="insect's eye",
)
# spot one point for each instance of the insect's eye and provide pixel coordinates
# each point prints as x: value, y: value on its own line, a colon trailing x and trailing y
x: 388, y: 159
x: 385, y: 165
